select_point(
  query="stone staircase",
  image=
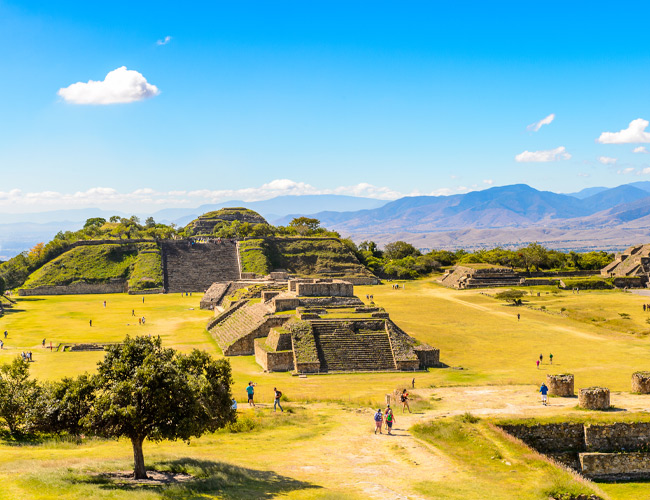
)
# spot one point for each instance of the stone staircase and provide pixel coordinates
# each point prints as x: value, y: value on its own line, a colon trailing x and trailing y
x: 239, y: 324
x: 340, y: 349
x: 194, y: 267
x: 467, y: 277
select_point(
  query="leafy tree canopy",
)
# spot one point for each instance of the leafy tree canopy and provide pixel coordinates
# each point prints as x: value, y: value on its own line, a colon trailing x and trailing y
x: 145, y: 391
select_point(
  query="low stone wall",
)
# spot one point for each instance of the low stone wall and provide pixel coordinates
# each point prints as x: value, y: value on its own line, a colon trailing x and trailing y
x: 330, y: 301
x: 272, y: 361
x: 618, y: 437
x: 285, y: 304
x: 428, y: 357
x: 311, y: 367
x: 147, y: 291
x: 360, y: 280
x: 550, y: 438
x: 245, y: 346
x: 269, y: 294
x: 615, y: 466
x: 560, y: 385
x: 408, y: 365
x: 594, y: 398
x: 75, y: 289
x: 335, y: 289
x: 279, y: 341
x: 641, y: 382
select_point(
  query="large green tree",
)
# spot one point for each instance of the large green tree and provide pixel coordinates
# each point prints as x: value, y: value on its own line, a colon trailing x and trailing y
x: 18, y: 395
x: 146, y: 391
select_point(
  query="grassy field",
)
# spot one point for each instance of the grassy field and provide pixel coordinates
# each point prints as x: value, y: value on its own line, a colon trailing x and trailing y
x: 324, y: 448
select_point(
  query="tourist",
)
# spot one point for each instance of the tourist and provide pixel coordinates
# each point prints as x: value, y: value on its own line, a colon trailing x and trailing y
x: 143, y: 320
x: 541, y: 358
x: 2, y: 344
x: 250, y: 390
x: 404, y: 398
x: 643, y: 307
x: 6, y: 333
x: 132, y: 312
x: 43, y: 343
x: 104, y: 303
x: 390, y: 420
x: 538, y: 364
x: 550, y: 357
x: 413, y: 383
x: 234, y: 404
x: 518, y: 316
x: 544, y: 390
x: 143, y: 299
x: 139, y: 321
x: 276, y: 400
x: 90, y: 322
x: 379, y: 420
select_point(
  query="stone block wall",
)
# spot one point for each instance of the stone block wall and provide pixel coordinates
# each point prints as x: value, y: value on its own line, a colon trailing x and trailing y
x: 76, y: 289
x: 615, y: 466
x: 269, y: 294
x: 285, y: 303
x: 279, y: 340
x: 619, y: 437
x: 272, y: 361
x: 641, y: 382
x: 560, y: 385
x: 334, y: 289
x: 550, y: 438
x: 594, y: 398
x: 428, y: 357
x: 245, y: 346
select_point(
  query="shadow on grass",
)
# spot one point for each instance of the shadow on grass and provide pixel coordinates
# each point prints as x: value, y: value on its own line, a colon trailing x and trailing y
x: 207, y: 478
x: 12, y: 310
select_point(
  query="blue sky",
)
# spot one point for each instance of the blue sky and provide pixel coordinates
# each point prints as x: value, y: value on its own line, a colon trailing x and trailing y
x: 254, y: 99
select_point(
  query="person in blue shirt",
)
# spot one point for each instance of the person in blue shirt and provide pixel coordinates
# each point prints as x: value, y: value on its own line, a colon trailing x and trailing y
x: 250, y: 390
x: 544, y: 390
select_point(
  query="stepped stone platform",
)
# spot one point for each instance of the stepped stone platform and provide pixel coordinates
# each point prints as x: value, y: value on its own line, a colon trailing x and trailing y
x: 327, y: 330
x: 633, y: 262
x: 190, y: 266
x: 205, y: 223
x: 481, y: 277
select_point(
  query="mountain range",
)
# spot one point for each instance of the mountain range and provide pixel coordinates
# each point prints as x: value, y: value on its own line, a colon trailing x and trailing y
x: 594, y: 218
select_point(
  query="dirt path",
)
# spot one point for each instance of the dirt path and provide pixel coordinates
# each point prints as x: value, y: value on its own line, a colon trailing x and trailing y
x: 382, y: 466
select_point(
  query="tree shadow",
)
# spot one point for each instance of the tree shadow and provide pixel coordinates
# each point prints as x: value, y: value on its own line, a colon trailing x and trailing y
x: 206, y: 478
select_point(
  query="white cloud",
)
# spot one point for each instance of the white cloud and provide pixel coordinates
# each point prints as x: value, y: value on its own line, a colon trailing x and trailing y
x: 635, y: 132
x: 534, y: 127
x: 120, y: 85
x: 164, y: 41
x: 544, y: 156
x: 625, y: 171
x: 606, y: 160
x: 640, y: 149
x: 489, y: 182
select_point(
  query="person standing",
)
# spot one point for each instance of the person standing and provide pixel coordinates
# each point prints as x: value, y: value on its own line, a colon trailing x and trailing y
x: 104, y: 303
x: 6, y: 333
x: 413, y: 383
x: 544, y: 390
x: 518, y: 316
x: 276, y: 400
x: 2, y: 344
x: 90, y: 322
x: 250, y: 390
x: 404, y: 398
x: 390, y: 419
x: 550, y: 357
x: 43, y: 342
x: 538, y: 364
x: 541, y: 358
x: 379, y: 420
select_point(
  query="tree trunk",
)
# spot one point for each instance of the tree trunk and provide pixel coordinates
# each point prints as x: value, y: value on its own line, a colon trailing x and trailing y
x: 139, y: 471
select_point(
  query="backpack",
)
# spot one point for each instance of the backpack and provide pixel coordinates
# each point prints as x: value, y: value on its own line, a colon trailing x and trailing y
x: 378, y: 417
x: 278, y: 394
x: 403, y: 397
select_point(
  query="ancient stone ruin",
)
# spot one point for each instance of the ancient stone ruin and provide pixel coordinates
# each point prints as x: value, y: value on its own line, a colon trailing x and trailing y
x: 602, y: 452
x: 594, y: 398
x: 641, y: 382
x: 633, y: 262
x: 481, y: 276
x: 315, y: 326
x: 560, y: 385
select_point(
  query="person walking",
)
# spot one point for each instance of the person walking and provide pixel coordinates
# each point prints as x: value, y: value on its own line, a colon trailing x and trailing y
x: 6, y: 333
x: 90, y: 322
x: 379, y: 420
x: 390, y: 419
x: 541, y: 358
x: 250, y: 390
x: 404, y: 398
x: 276, y: 400
x: 43, y: 343
x: 550, y: 357
x: 132, y: 312
x: 413, y: 383
x: 104, y: 303
x: 2, y: 344
x: 544, y: 391
x: 538, y: 364
x: 518, y: 316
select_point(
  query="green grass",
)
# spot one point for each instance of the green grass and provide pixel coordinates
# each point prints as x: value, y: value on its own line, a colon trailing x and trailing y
x: 146, y: 271
x: 253, y: 257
